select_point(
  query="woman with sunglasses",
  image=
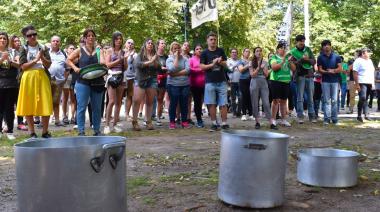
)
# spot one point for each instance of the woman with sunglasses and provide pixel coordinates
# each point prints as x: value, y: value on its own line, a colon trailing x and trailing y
x: 130, y: 74
x: 87, y: 90
x: 147, y: 65
x: 35, y: 98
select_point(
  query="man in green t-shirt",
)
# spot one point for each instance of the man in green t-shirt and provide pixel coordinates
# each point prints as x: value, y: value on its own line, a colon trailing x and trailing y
x: 303, y: 58
x: 343, y: 85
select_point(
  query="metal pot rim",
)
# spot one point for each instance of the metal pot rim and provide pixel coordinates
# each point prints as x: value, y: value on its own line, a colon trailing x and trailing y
x: 40, y: 143
x: 324, y: 153
x: 256, y: 134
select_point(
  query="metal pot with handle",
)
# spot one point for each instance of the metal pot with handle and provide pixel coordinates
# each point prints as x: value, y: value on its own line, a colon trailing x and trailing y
x: 252, y: 168
x: 327, y: 167
x: 76, y: 174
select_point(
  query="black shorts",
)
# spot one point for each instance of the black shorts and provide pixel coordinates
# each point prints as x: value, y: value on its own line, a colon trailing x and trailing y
x: 279, y: 90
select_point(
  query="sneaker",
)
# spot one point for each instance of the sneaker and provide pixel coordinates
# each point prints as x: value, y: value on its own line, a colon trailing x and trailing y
x: 149, y: 125
x: 107, y: 130
x: 251, y: 118
x: 273, y: 127
x: 154, y: 118
x: 117, y: 129
x: 22, y: 127
x: 135, y: 126
x: 33, y: 135
x: 314, y: 120
x: 81, y: 134
x: 213, y: 128
x: 72, y: 121
x: 172, y: 125
x: 350, y: 111
x: 225, y: 127
x: 200, y: 124
x: 368, y: 118
x: 186, y: 125
x: 75, y: 127
x: 10, y: 136
x: 326, y: 123
x: 190, y: 122
x: 59, y: 124
x: 66, y: 121
x: 178, y: 121
x: 98, y: 133
x: 158, y: 122
x: 360, y: 119
x: 300, y: 121
x: 257, y: 126
x: 244, y: 118
x: 46, y: 135
x: 140, y: 115
x: 286, y: 123
x: 144, y: 123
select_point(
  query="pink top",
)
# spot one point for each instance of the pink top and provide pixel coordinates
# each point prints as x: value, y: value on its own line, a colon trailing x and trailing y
x: 197, y: 76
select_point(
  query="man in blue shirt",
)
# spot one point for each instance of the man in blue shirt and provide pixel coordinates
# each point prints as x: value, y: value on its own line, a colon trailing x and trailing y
x: 329, y: 65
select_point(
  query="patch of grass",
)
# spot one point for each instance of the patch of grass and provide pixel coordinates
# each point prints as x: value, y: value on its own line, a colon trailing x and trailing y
x: 149, y: 200
x: 164, y: 160
x: 133, y: 183
x: 210, y: 177
x: 372, y: 175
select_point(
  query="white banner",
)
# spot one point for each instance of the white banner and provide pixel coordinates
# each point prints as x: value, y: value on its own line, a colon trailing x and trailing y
x: 285, y: 29
x: 203, y: 11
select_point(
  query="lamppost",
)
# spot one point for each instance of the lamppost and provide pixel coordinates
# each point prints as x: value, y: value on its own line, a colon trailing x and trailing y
x: 185, y: 10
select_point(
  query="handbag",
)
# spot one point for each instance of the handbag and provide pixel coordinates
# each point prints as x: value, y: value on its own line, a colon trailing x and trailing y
x: 115, y: 80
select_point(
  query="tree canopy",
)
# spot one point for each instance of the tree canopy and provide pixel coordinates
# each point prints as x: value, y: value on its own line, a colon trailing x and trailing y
x: 349, y: 24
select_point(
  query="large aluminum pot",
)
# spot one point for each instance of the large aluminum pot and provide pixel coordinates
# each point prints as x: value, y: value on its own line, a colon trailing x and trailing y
x: 76, y: 174
x: 326, y: 167
x: 252, y: 168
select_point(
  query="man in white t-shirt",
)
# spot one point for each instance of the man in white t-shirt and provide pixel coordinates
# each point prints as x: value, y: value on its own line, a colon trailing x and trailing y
x: 364, y: 78
x: 234, y: 75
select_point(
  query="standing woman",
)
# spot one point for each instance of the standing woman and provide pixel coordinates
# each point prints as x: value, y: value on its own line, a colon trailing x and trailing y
x: 197, y: 83
x: 68, y: 92
x: 8, y: 85
x: 178, y: 85
x: 130, y: 74
x: 244, y: 83
x: 259, y: 87
x: 35, y: 98
x: 147, y: 65
x: 280, y: 77
x: 116, y: 62
x: 161, y: 78
x: 87, y: 90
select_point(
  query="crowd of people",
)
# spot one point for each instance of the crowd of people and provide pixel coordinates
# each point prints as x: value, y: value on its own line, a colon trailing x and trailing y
x: 38, y: 80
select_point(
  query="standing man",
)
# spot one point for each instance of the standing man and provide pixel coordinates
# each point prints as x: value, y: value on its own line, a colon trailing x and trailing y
x: 304, y: 60
x: 57, y: 72
x: 234, y: 75
x: 330, y: 66
x: 364, y: 77
x: 213, y: 61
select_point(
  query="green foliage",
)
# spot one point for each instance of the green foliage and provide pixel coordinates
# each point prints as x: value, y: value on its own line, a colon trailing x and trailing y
x: 349, y: 24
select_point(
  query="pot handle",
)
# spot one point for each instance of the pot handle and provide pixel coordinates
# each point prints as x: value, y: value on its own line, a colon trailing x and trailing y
x: 97, y: 162
x: 255, y: 146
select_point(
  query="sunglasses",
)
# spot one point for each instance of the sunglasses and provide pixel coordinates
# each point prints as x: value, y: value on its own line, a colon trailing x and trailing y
x: 130, y: 43
x: 31, y: 35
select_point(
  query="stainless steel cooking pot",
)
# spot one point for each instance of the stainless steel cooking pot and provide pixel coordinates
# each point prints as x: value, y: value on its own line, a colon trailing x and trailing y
x: 76, y: 174
x: 252, y: 168
x: 325, y: 167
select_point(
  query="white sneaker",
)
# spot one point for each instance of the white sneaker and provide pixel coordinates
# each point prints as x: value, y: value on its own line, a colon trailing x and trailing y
x: 10, y: 136
x: 251, y: 118
x: 244, y: 118
x: 300, y: 121
x: 117, y: 129
x: 119, y: 124
x: 144, y: 123
x: 107, y: 130
x: 75, y: 127
x: 158, y: 122
x: 285, y: 123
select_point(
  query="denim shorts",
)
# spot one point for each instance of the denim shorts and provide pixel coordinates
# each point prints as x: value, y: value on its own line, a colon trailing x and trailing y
x: 148, y: 83
x: 216, y: 93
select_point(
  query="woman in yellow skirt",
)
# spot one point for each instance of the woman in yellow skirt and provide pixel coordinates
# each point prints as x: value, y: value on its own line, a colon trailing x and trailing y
x: 35, y: 98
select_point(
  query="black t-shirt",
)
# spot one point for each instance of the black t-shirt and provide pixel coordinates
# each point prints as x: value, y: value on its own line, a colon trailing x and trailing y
x: 216, y: 74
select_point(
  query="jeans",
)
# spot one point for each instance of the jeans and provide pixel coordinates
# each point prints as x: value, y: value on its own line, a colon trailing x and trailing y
x: 343, y: 93
x: 305, y: 85
x: 178, y: 94
x: 292, y: 104
x: 364, y: 93
x: 330, y: 98
x: 317, y: 97
x: 235, y: 96
x: 84, y: 94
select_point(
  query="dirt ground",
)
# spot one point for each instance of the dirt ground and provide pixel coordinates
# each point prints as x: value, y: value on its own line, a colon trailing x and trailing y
x: 177, y: 170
